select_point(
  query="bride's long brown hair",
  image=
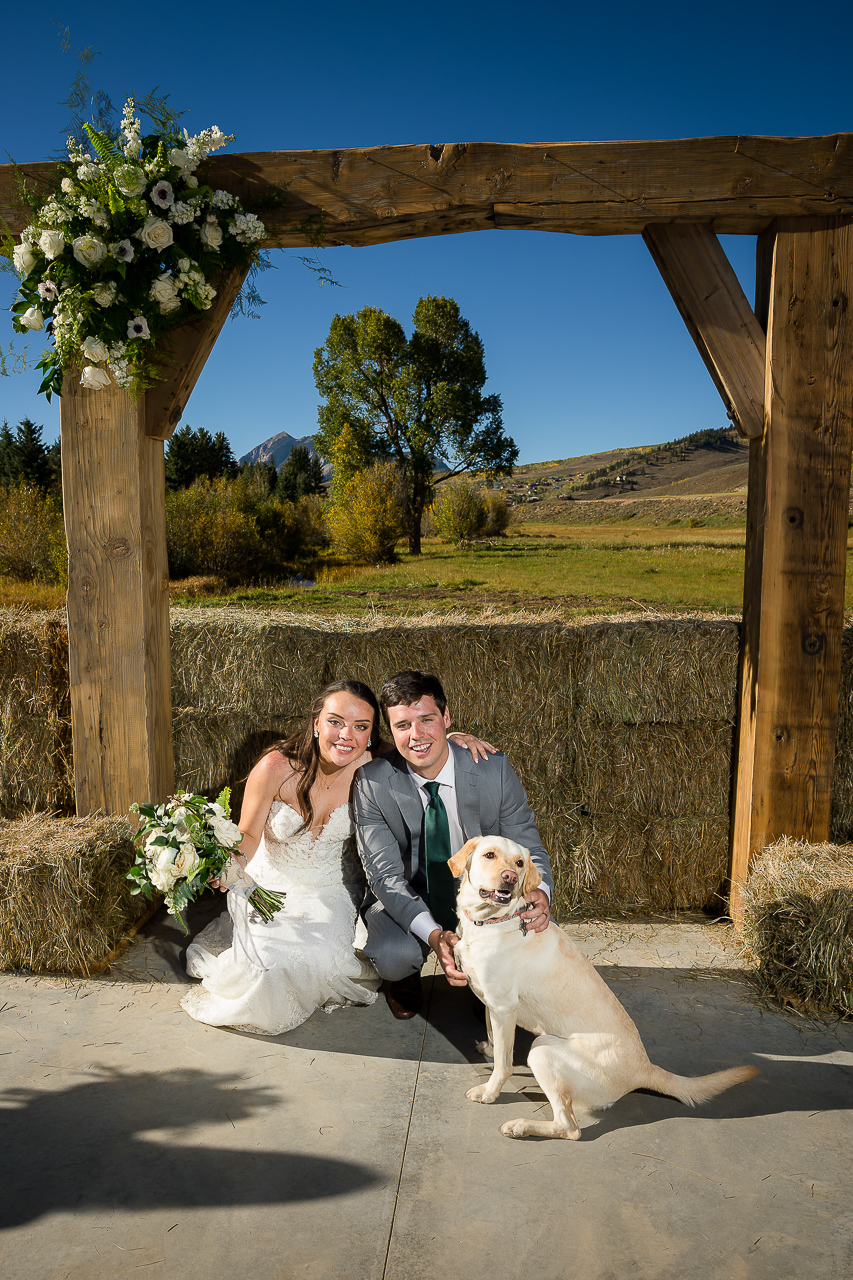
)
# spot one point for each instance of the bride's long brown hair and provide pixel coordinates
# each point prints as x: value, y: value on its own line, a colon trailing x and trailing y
x: 302, y: 748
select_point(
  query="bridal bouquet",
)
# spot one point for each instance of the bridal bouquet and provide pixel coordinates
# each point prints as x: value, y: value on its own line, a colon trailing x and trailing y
x: 124, y: 251
x: 186, y: 843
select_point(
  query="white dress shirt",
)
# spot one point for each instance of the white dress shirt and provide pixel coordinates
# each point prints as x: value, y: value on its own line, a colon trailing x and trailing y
x: 423, y: 924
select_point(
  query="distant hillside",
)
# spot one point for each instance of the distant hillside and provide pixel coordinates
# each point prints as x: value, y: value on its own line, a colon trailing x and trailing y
x: 707, y: 462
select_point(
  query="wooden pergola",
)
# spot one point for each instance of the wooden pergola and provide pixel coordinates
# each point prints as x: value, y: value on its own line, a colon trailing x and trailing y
x: 784, y: 371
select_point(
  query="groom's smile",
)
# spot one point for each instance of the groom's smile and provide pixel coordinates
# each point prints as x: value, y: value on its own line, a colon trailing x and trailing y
x: 420, y: 735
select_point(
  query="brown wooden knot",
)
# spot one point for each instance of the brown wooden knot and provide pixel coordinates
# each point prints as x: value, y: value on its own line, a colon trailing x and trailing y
x: 782, y: 734
x: 118, y: 548
x: 793, y: 518
x: 814, y: 643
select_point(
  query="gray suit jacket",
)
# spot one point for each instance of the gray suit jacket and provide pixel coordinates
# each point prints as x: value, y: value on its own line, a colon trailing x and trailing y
x: 389, y: 823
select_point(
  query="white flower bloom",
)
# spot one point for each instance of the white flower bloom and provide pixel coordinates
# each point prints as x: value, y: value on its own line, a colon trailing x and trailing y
x: 68, y: 186
x: 227, y: 833
x: 164, y: 291
x: 138, y: 328
x: 122, y: 250
x: 94, y: 210
x: 105, y: 293
x: 93, y: 349
x: 192, y: 180
x: 162, y: 194
x: 211, y: 233
x: 94, y: 378
x: 187, y: 861
x: 155, y: 234
x: 164, y: 880
x: 51, y: 243
x: 247, y: 228
x: 181, y: 213
x: 32, y: 318
x: 48, y: 291
x: 89, y: 250
x: 184, y: 264
x: 222, y: 200
x: 130, y: 180
x: 87, y: 171
x: 23, y: 258
x: 178, y: 158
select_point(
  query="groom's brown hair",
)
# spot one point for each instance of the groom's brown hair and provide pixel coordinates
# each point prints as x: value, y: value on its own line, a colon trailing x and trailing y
x: 407, y: 687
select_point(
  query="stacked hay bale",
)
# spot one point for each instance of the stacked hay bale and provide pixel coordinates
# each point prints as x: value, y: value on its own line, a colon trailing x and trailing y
x: 798, y: 925
x: 653, y: 734
x: 64, y: 901
x: 35, y: 715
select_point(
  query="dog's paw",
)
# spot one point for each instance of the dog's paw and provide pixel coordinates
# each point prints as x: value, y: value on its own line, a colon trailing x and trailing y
x: 514, y: 1128
x: 479, y: 1094
x: 486, y: 1048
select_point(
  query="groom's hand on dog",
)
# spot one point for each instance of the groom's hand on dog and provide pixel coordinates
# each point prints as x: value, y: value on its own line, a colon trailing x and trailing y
x: 442, y: 942
x: 539, y: 915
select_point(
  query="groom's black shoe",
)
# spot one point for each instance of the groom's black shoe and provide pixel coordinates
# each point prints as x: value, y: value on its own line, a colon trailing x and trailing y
x: 405, y: 997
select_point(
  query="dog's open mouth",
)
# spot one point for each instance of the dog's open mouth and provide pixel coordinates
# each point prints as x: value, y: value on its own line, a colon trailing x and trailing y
x: 502, y: 896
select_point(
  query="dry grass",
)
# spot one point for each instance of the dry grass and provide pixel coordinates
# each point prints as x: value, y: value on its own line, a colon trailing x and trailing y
x: 64, y: 901
x: 798, y: 925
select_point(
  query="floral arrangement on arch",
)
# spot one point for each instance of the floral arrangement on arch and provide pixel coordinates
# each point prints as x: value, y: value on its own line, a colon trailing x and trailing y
x: 124, y: 252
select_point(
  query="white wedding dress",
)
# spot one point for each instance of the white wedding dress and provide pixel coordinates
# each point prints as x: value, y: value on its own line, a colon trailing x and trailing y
x: 306, y: 954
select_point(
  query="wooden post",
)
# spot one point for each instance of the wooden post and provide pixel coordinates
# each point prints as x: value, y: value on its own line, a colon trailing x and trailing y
x: 113, y: 493
x: 796, y: 543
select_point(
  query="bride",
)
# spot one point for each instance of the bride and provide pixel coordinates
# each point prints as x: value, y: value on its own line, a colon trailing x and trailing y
x: 298, y: 840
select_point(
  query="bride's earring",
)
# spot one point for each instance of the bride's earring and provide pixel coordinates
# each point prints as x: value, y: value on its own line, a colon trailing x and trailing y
x: 316, y: 734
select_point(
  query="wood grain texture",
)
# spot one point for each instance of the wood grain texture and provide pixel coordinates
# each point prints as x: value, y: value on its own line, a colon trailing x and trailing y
x: 375, y: 195
x: 113, y: 490
x: 797, y: 538
x: 184, y: 357
x: 718, y: 316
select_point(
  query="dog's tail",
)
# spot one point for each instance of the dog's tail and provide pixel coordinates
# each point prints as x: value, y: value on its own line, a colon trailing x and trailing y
x: 694, y: 1090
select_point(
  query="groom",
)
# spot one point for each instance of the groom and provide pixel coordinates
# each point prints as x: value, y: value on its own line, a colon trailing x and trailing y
x: 414, y: 809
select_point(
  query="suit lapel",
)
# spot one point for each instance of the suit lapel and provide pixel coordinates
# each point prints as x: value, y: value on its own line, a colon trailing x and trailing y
x: 405, y: 791
x: 467, y: 801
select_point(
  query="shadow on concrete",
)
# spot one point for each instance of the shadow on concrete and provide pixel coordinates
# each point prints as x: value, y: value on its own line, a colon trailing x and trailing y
x: 80, y: 1149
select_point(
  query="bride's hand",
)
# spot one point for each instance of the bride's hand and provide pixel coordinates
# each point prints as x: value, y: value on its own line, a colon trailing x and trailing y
x: 477, y: 746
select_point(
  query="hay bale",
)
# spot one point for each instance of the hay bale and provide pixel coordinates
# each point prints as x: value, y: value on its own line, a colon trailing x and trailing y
x: 798, y: 925
x: 36, y: 769
x: 64, y: 901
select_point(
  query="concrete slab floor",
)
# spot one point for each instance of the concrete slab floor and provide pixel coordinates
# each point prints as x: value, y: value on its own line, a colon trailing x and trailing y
x: 347, y: 1147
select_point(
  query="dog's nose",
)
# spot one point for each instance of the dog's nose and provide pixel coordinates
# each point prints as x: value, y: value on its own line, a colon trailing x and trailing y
x: 509, y: 877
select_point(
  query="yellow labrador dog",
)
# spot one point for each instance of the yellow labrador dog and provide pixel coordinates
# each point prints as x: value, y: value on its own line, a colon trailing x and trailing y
x: 587, y: 1053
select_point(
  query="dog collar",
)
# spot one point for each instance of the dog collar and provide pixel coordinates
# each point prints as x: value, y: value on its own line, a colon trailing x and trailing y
x: 514, y: 915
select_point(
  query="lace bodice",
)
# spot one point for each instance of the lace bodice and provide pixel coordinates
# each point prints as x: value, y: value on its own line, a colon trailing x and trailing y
x: 287, y: 861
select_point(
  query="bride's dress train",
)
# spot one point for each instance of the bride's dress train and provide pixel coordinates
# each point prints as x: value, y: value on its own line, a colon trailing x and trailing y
x: 306, y: 954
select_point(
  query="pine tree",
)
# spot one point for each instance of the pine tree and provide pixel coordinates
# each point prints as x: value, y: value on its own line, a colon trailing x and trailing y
x: 301, y: 475
x: 24, y: 456
x: 8, y: 469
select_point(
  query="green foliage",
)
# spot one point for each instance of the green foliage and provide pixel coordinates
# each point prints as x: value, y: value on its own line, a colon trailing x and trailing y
x: 32, y: 535
x: 351, y: 453
x: 498, y: 514
x: 366, y: 522
x: 460, y: 511
x: 25, y: 459
x: 193, y: 454
x: 418, y: 400
x: 301, y: 475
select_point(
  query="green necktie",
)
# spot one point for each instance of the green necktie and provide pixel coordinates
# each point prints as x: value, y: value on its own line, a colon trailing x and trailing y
x: 441, y: 890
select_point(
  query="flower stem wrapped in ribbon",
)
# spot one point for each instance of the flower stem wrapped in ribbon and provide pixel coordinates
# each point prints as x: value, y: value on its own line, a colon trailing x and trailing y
x: 184, y: 844
x: 125, y: 250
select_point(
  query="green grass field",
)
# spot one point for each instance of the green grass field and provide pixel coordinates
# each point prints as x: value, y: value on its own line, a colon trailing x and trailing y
x: 577, y: 570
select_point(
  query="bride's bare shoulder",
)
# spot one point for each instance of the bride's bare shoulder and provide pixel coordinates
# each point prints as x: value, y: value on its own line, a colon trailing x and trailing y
x: 274, y: 775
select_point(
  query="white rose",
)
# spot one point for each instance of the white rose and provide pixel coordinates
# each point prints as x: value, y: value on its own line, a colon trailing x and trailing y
x: 211, y: 235
x: 93, y: 349
x: 227, y: 834
x: 32, y: 318
x: 155, y: 234
x: 179, y: 158
x: 89, y: 250
x: 186, y: 861
x: 105, y: 294
x: 192, y: 180
x: 68, y: 186
x: 94, y: 378
x: 130, y: 180
x: 23, y: 258
x: 162, y: 880
x: 163, y: 290
x: 51, y: 243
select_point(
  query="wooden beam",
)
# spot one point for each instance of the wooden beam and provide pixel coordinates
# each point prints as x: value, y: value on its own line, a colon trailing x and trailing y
x: 113, y: 489
x: 796, y: 546
x: 374, y: 195
x: 185, y: 357
x: 718, y: 316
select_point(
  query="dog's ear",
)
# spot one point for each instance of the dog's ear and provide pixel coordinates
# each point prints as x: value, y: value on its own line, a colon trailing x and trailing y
x: 532, y: 877
x: 459, y: 862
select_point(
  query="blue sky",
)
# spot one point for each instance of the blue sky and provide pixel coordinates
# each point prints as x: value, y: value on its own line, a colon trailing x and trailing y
x: 582, y: 339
